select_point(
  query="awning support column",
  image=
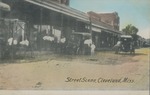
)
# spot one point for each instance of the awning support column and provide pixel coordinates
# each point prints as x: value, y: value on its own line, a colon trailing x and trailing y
x: 41, y: 18
x: 62, y: 22
x: 90, y: 26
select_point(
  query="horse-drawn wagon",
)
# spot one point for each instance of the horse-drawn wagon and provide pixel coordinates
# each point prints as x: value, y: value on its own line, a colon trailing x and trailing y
x: 125, y: 44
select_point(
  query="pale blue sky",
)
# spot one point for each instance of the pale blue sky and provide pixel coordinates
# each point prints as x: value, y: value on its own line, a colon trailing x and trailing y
x: 135, y: 12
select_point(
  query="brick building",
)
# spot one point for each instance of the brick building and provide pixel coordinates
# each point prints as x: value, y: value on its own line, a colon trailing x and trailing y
x: 108, y: 18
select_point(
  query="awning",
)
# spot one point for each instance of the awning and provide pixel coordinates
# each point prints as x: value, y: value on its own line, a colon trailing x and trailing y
x: 81, y: 33
x: 97, y: 26
x: 4, y: 7
x: 96, y: 29
x: 126, y: 36
x: 60, y: 8
x: 80, y: 16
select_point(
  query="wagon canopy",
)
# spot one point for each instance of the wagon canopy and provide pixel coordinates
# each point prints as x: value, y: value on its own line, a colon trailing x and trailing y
x: 4, y: 7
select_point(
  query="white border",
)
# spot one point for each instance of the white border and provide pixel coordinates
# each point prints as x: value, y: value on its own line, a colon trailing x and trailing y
x: 84, y: 92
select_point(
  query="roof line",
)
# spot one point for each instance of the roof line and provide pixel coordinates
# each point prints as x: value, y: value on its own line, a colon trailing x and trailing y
x: 60, y: 8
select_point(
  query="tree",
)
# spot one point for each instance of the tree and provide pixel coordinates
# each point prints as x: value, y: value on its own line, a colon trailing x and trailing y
x: 130, y: 30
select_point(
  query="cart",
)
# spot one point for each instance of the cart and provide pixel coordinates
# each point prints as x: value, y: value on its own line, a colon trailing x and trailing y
x: 125, y: 44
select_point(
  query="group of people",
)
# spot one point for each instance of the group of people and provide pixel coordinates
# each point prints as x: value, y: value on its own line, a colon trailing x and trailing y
x: 57, y: 44
x: 71, y: 46
x: 89, y: 47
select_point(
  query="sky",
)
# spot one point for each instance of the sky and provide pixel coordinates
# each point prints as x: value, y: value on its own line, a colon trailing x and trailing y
x: 135, y: 12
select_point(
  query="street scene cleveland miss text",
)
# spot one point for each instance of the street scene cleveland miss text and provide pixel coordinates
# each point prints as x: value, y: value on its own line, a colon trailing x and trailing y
x: 100, y: 80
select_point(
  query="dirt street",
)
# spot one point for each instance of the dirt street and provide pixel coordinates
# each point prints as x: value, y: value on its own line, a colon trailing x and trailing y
x: 104, y: 70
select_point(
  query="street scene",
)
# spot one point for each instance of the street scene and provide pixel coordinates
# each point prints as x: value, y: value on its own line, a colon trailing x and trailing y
x: 51, y: 45
x: 53, y: 71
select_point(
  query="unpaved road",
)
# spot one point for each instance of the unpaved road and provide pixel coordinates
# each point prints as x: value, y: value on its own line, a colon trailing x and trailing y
x: 104, y: 70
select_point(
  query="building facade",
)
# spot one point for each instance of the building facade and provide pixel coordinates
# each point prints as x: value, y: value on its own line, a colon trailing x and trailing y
x: 108, y: 18
x: 52, y: 18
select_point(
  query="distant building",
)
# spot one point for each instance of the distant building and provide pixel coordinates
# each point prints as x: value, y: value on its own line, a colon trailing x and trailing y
x: 108, y: 18
x: 65, y: 2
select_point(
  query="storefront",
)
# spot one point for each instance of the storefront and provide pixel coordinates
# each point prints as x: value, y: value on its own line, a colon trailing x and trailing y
x: 103, y: 35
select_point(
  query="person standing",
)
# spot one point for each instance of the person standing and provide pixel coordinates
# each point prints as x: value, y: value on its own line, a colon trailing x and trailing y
x: 93, y: 49
x: 87, y: 44
x: 117, y: 47
x: 62, y: 44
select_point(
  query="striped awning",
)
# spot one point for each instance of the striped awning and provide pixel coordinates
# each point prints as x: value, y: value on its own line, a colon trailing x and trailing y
x: 4, y: 7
